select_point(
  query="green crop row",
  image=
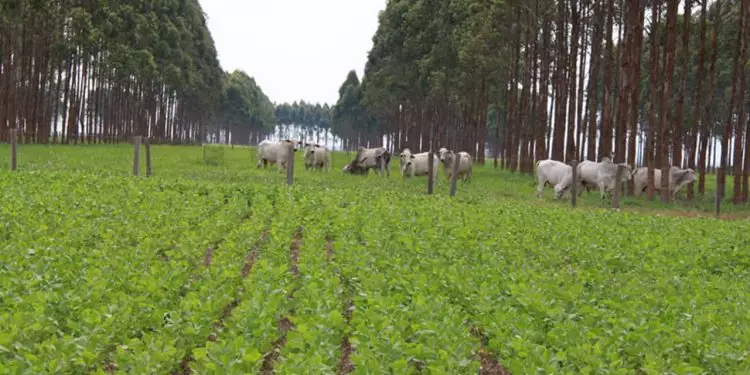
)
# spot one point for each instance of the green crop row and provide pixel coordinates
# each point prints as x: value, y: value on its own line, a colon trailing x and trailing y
x: 100, y: 273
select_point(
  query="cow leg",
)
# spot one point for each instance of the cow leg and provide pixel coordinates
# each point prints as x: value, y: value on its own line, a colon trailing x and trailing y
x: 540, y: 189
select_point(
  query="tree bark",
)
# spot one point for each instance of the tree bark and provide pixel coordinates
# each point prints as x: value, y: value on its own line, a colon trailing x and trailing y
x: 596, y: 58
x: 653, y: 92
x: 605, y: 144
x: 739, y: 124
x: 666, y: 116
x: 635, y: 66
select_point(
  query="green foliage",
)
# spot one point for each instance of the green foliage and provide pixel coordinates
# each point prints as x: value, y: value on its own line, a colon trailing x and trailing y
x: 101, y: 269
x: 311, y: 118
x: 213, y: 155
x: 245, y: 108
x: 723, y: 81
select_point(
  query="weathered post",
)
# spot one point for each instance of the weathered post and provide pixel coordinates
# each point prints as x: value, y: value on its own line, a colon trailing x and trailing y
x: 574, y: 185
x: 430, y: 173
x: 718, y: 198
x: 383, y: 169
x: 13, y: 150
x: 454, y: 173
x: 618, y: 187
x: 290, y: 165
x: 136, y: 154
x: 148, y: 156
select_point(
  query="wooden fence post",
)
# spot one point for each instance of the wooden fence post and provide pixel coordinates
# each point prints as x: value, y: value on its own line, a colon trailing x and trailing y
x: 430, y: 173
x: 290, y: 166
x: 454, y: 174
x: 13, y: 149
x: 136, y: 154
x: 718, y: 198
x: 574, y: 186
x: 148, y: 156
x: 618, y: 187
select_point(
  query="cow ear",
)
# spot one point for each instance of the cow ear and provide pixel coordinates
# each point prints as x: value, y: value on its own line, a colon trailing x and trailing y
x: 413, y: 157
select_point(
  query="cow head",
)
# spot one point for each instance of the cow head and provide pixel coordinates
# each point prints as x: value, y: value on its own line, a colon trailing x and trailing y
x: 290, y: 142
x: 309, y: 152
x: 627, y: 172
x: 684, y: 176
x: 405, y: 156
x: 559, y: 191
x: 445, y: 155
x: 408, y: 161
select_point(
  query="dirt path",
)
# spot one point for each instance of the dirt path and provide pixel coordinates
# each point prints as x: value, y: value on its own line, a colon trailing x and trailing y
x: 184, y: 366
x: 490, y: 364
x: 285, y: 325
x: 345, y: 363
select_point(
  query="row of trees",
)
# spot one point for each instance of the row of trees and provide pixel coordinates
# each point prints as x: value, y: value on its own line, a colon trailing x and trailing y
x: 568, y: 79
x: 89, y: 71
x: 311, y: 121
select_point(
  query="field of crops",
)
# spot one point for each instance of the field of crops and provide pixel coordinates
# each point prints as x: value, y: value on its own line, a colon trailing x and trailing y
x: 221, y: 268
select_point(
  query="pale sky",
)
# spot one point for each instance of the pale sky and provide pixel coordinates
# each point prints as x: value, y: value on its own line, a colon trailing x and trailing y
x: 295, y: 49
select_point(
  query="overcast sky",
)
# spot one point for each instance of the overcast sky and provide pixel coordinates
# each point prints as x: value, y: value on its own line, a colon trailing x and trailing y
x: 295, y: 49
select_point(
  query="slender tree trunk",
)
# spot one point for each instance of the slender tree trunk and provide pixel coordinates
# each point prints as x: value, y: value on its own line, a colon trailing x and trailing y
x: 708, y: 116
x: 558, y: 142
x: 653, y: 92
x: 626, y: 78
x: 698, y: 125
x: 541, y: 150
x: 605, y: 144
x: 635, y: 66
x: 666, y: 116
x: 571, y: 150
x: 728, y: 128
x: 739, y: 125
x: 679, y: 111
x: 580, y: 123
x: 596, y: 59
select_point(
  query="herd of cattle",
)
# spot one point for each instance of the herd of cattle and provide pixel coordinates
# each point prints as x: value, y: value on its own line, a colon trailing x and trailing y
x: 378, y: 158
x: 589, y: 174
x: 603, y: 175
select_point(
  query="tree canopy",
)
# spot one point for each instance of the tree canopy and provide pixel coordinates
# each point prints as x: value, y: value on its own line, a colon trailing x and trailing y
x: 102, y: 72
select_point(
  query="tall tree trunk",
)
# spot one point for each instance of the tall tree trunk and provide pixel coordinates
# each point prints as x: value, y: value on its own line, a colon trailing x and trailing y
x: 697, y: 126
x: 679, y: 110
x: 626, y: 78
x: 739, y: 126
x: 666, y: 116
x: 605, y: 144
x: 580, y: 122
x: 571, y: 150
x: 727, y: 133
x: 708, y: 114
x: 561, y: 67
x: 541, y: 150
x: 635, y: 88
x: 654, y: 93
x: 592, y: 95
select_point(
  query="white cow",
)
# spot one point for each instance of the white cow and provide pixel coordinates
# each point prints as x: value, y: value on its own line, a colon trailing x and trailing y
x: 447, y: 158
x: 418, y: 164
x: 553, y: 172
x: 677, y: 179
x: 370, y: 158
x: 275, y: 153
x: 317, y: 157
x: 606, y: 176
x: 586, y: 175
x: 403, y: 157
